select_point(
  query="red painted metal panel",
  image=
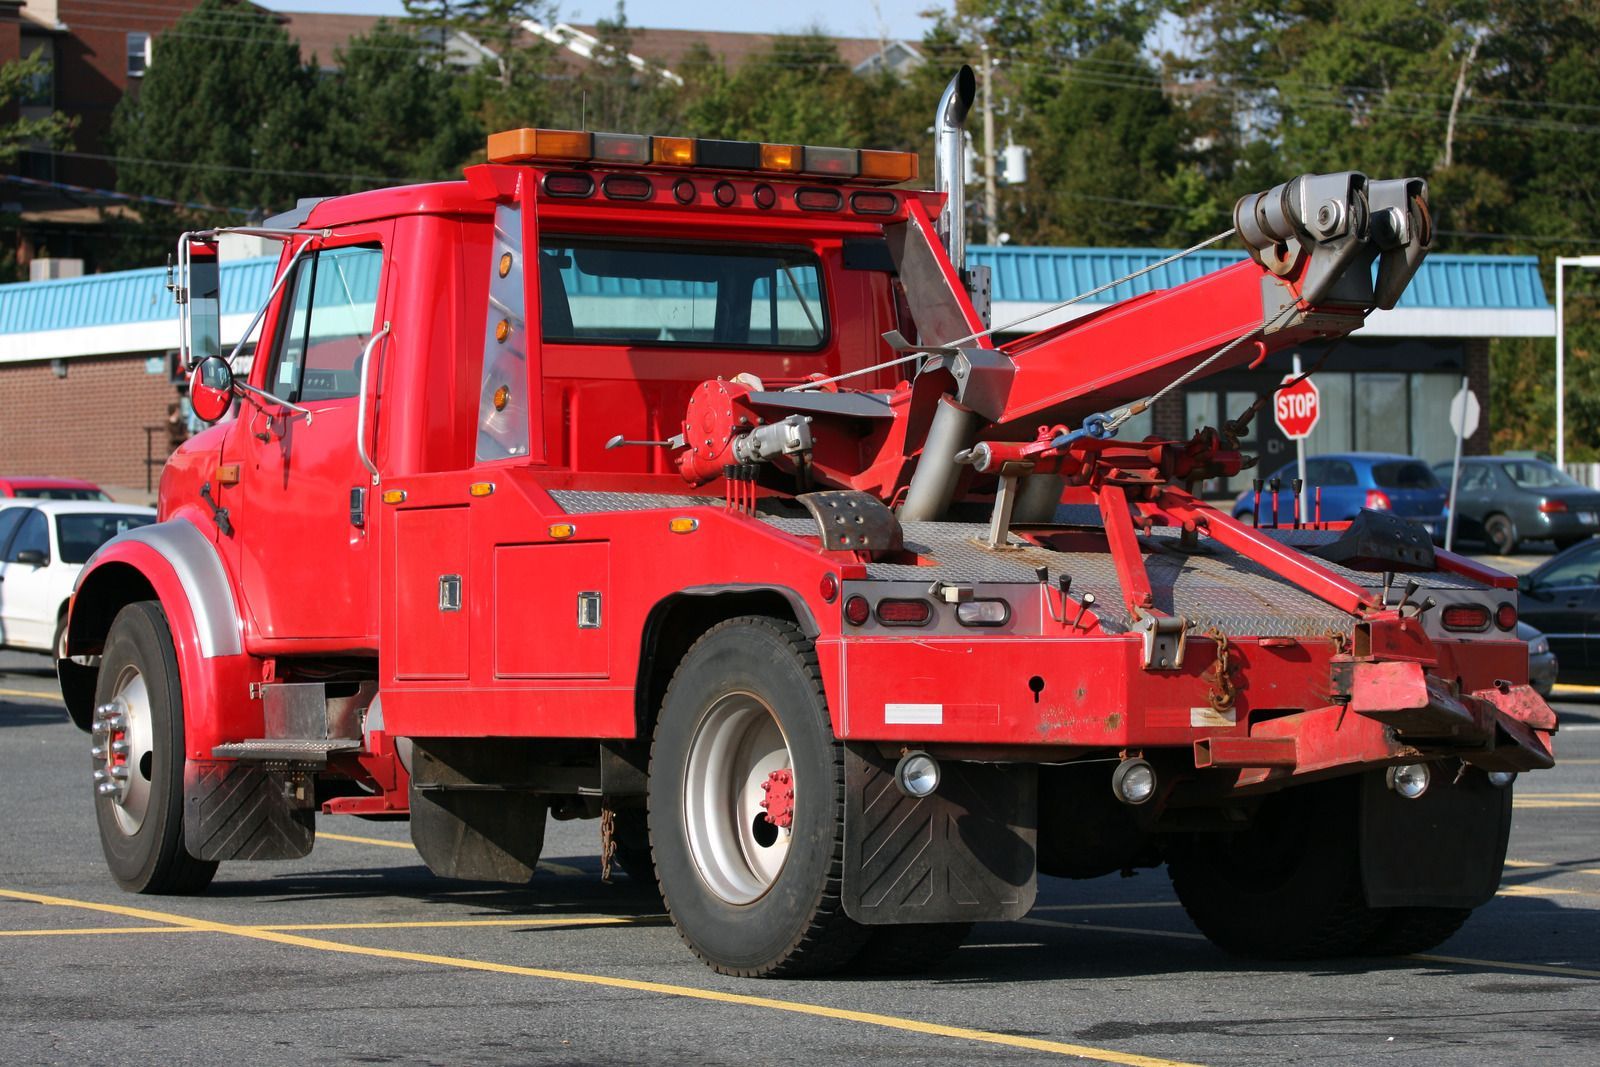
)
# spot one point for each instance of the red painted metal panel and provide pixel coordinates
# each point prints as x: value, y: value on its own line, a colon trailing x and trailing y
x: 537, y: 631
x: 431, y: 548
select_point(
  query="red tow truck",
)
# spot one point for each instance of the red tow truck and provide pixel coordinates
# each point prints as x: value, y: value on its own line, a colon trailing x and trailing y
x: 681, y: 484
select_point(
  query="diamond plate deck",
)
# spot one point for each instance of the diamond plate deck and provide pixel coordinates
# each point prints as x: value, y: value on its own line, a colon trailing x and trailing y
x: 1214, y: 586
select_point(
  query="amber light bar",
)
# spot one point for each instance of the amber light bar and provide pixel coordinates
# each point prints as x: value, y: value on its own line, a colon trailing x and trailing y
x: 574, y: 146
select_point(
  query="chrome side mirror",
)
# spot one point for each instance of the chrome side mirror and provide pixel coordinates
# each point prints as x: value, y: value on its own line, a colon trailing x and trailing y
x: 211, y: 388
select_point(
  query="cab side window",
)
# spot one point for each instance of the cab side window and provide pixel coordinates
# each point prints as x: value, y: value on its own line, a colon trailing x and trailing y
x: 34, y: 533
x: 327, y: 321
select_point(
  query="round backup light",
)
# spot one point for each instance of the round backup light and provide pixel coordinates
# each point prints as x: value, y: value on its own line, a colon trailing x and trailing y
x: 765, y: 197
x: 857, y: 611
x: 830, y: 587
x: 1502, y: 779
x: 917, y: 774
x: 724, y: 194
x: 1134, y: 781
x: 1410, y: 780
x: 1505, y: 616
x: 683, y: 191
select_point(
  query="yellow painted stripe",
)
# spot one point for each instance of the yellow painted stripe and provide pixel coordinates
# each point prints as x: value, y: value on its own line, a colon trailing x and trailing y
x: 891, y: 1022
x: 1526, y: 864
x: 1181, y: 935
x: 565, y: 921
x: 1537, y: 891
x: 54, y: 698
x: 1537, y: 804
x: 1531, y: 968
x: 561, y: 869
x: 1563, y: 795
x: 1577, y: 688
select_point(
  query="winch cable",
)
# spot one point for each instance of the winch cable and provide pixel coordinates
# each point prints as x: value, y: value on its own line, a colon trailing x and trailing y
x: 818, y: 382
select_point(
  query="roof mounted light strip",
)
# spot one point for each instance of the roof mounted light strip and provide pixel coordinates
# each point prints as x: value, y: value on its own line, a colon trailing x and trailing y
x: 864, y: 165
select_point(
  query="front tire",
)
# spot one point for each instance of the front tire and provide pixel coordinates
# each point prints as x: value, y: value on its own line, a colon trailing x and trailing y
x: 138, y: 754
x: 750, y: 895
x: 1286, y: 888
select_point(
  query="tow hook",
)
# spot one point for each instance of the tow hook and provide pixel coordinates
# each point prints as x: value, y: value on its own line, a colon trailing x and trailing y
x: 1165, y: 637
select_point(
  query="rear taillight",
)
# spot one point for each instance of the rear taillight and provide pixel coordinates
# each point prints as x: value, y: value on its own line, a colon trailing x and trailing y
x: 904, y: 612
x: 1378, y: 500
x: 1473, y: 617
x: 1505, y: 616
x: 857, y: 611
x: 1552, y: 507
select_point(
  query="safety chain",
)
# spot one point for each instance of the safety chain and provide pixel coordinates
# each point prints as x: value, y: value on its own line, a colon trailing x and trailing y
x: 1222, y: 693
x: 608, y: 841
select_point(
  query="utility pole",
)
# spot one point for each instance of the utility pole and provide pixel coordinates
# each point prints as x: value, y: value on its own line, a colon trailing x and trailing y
x: 991, y: 231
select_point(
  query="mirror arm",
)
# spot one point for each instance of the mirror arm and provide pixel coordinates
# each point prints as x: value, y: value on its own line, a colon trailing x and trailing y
x: 261, y: 312
x: 245, y: 387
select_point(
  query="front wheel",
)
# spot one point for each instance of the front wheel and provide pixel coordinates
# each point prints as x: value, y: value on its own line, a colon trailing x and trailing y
x: 138, y: 757
x: 747, y: 805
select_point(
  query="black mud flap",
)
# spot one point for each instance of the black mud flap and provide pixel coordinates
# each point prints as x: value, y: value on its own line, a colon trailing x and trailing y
x: 241, y: 811
x: 964, y: 854
x: 1443, y: 850
x: 487, y: 836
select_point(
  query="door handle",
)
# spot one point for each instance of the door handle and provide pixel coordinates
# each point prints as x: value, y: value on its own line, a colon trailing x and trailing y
x: 361, y: 402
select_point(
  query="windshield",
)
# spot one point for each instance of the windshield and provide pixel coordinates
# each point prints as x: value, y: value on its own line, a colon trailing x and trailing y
x: 80, y: 535
x: 680, y: 295
x: 62, y: 494
x: 1403, y: 476
x: 1532, y: 474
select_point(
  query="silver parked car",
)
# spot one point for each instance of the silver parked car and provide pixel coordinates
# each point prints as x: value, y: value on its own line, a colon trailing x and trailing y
x: 1504, y: 500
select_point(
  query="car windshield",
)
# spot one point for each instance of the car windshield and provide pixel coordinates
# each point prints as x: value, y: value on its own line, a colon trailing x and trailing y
x: 1532, y: 474
x: 80, y: 535
x: 42, y: 493
x: 1403, y: 475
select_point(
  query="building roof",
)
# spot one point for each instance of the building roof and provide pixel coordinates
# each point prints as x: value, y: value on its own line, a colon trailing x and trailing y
x: 1451, y: 296
x: 324, y: 35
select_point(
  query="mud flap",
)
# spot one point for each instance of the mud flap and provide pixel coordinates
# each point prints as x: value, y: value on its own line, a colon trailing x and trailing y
x: 240, y: 811
x: 1443, y: 850
x: 967, y: 853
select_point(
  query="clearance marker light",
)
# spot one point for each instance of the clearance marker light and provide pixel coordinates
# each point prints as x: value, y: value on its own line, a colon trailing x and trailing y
x: 867, y: 165
x: 561, y: 531
x: 481, y: 489
x: 394, y: 496
x: 683, y: 524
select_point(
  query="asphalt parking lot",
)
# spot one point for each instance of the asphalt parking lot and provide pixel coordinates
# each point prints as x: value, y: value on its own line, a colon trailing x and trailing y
x: 358, y: 954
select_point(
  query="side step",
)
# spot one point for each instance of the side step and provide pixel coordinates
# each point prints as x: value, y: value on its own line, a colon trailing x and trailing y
x: 298, y: 751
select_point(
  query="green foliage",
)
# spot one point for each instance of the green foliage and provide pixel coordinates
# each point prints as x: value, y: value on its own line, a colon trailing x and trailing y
x: 19, y: 80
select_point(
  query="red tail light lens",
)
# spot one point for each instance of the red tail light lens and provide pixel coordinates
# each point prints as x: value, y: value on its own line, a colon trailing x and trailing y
x: 1505, y: 616
x: 857, y: 610
x: 1552, y: 507
x: 1473, y: 617
x: 1378, y: 500
x: 573, y: 185
x: 819, y: 199
x: 904, y: 612
x: 627, y: 187
x: 830, y: 588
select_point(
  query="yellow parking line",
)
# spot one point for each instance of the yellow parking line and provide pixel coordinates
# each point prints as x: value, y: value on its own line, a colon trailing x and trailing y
x: 1539, y: 891
x: 1181, y: 935
x: 1535, y: 804
x: 1109, y: 907
x: 561, y: 869
x: 564, y: 921
x: 54, y: 698
x: 891, y: 1022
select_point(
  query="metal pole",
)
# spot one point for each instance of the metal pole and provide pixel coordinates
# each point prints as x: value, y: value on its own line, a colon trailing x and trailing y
x: 1455, y: 469
x: 1300, y: 502
x: 991, y: 230
x: 1561, y: 364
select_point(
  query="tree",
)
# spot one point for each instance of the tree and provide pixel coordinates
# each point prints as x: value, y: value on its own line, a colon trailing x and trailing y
x: 425, y: 132
x: 21, y: 80
x: 221, y: 119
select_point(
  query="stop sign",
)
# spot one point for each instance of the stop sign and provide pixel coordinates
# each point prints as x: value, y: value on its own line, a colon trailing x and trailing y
x: 1296, y: 408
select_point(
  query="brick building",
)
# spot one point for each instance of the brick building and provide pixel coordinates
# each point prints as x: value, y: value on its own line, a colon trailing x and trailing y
x: 87, y: 376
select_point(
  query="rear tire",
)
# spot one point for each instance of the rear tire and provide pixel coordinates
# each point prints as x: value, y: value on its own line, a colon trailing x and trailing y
x: 1286, y: 888
x: 1408, y: 930
x: 749, y: 897
x: 139, y: 752
x: 1501, y: 534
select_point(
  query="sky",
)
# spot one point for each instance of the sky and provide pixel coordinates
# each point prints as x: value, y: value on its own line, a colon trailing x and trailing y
x: 843, y: 18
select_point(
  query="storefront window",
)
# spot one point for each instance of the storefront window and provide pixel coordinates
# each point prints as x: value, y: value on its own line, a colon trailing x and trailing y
x: 1431, y: 436
x: 1381, y: 403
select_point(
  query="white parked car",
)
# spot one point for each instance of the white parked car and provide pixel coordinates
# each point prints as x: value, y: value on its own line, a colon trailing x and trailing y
x: 43, y: 546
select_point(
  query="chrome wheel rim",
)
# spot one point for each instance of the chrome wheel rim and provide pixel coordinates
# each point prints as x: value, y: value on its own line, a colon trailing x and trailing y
x: 737, y: 746
x: 122, y: 750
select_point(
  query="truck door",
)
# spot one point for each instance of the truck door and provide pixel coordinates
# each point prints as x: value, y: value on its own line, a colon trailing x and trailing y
x: 303, y: 503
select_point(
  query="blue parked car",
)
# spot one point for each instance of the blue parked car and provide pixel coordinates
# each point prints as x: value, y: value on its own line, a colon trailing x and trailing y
x: 1350, y: 481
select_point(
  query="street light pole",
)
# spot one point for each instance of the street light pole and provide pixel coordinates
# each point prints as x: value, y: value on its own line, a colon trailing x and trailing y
x: 1562, y: 262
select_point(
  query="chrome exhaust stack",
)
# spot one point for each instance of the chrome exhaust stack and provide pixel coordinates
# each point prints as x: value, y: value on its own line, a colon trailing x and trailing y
x: 950, y: 163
